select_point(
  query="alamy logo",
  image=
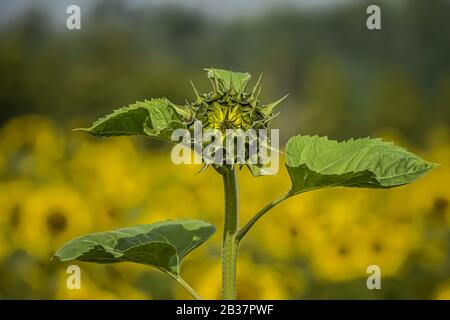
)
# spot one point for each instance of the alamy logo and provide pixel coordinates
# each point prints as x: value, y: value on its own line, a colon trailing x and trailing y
x: 374, y: 20
x: 73, y: 21
x: 73, y: 281
x: 374, y: 280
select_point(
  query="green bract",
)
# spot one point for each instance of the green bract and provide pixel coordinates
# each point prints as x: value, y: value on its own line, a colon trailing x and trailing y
x: 229, y: 105
x: 312, y: 162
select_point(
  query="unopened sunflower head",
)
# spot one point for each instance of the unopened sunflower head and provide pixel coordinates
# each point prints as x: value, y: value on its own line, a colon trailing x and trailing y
x: 229, y: 105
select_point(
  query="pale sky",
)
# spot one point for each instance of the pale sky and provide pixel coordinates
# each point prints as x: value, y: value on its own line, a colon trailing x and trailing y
x: 223, y: 8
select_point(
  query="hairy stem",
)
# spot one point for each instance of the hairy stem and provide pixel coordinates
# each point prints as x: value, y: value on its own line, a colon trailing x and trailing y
x: 258, y: 215
x: 230, y: 229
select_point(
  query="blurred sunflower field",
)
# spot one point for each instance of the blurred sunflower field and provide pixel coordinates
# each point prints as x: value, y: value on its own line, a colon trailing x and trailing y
x: 56, y: 185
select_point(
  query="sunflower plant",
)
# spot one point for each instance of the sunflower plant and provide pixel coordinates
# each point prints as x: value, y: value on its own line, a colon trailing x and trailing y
x: 312, y: 163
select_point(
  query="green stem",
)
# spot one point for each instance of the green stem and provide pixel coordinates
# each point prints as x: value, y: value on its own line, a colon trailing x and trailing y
x: 258, y: 215
x: 230, y: 228
x: 180, y: 280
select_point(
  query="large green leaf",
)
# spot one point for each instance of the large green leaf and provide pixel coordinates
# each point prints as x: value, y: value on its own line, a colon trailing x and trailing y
x: 156, y: 118
x: 225, y: 77
x: 316, y: 162
x: 162, y: 245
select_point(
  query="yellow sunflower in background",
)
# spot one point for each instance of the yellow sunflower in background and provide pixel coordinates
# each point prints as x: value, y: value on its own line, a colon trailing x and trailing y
x: 12, y: 195
x: 110, y: 171
x: 31, y: 146
x: 346, y: 235
x: 443, y: 292
x: 48, y: 196
x: 4, y: 248
x: 50, y: 216
x: 2, y: 163
x: 266, y: 282
x: 91, y: 288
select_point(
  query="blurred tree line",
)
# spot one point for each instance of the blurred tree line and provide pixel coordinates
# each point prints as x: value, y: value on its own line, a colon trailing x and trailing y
x: 344, y: 79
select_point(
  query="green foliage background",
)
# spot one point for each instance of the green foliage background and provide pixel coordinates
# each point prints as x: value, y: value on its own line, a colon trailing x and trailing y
x: 344, y: 80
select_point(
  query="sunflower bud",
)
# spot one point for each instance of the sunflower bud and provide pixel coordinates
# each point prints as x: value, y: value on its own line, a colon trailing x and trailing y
x: 229, y: 105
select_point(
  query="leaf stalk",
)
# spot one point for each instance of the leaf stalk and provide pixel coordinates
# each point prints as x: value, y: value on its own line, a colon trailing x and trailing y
x: 188, y: 288
x: 243, y: 231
